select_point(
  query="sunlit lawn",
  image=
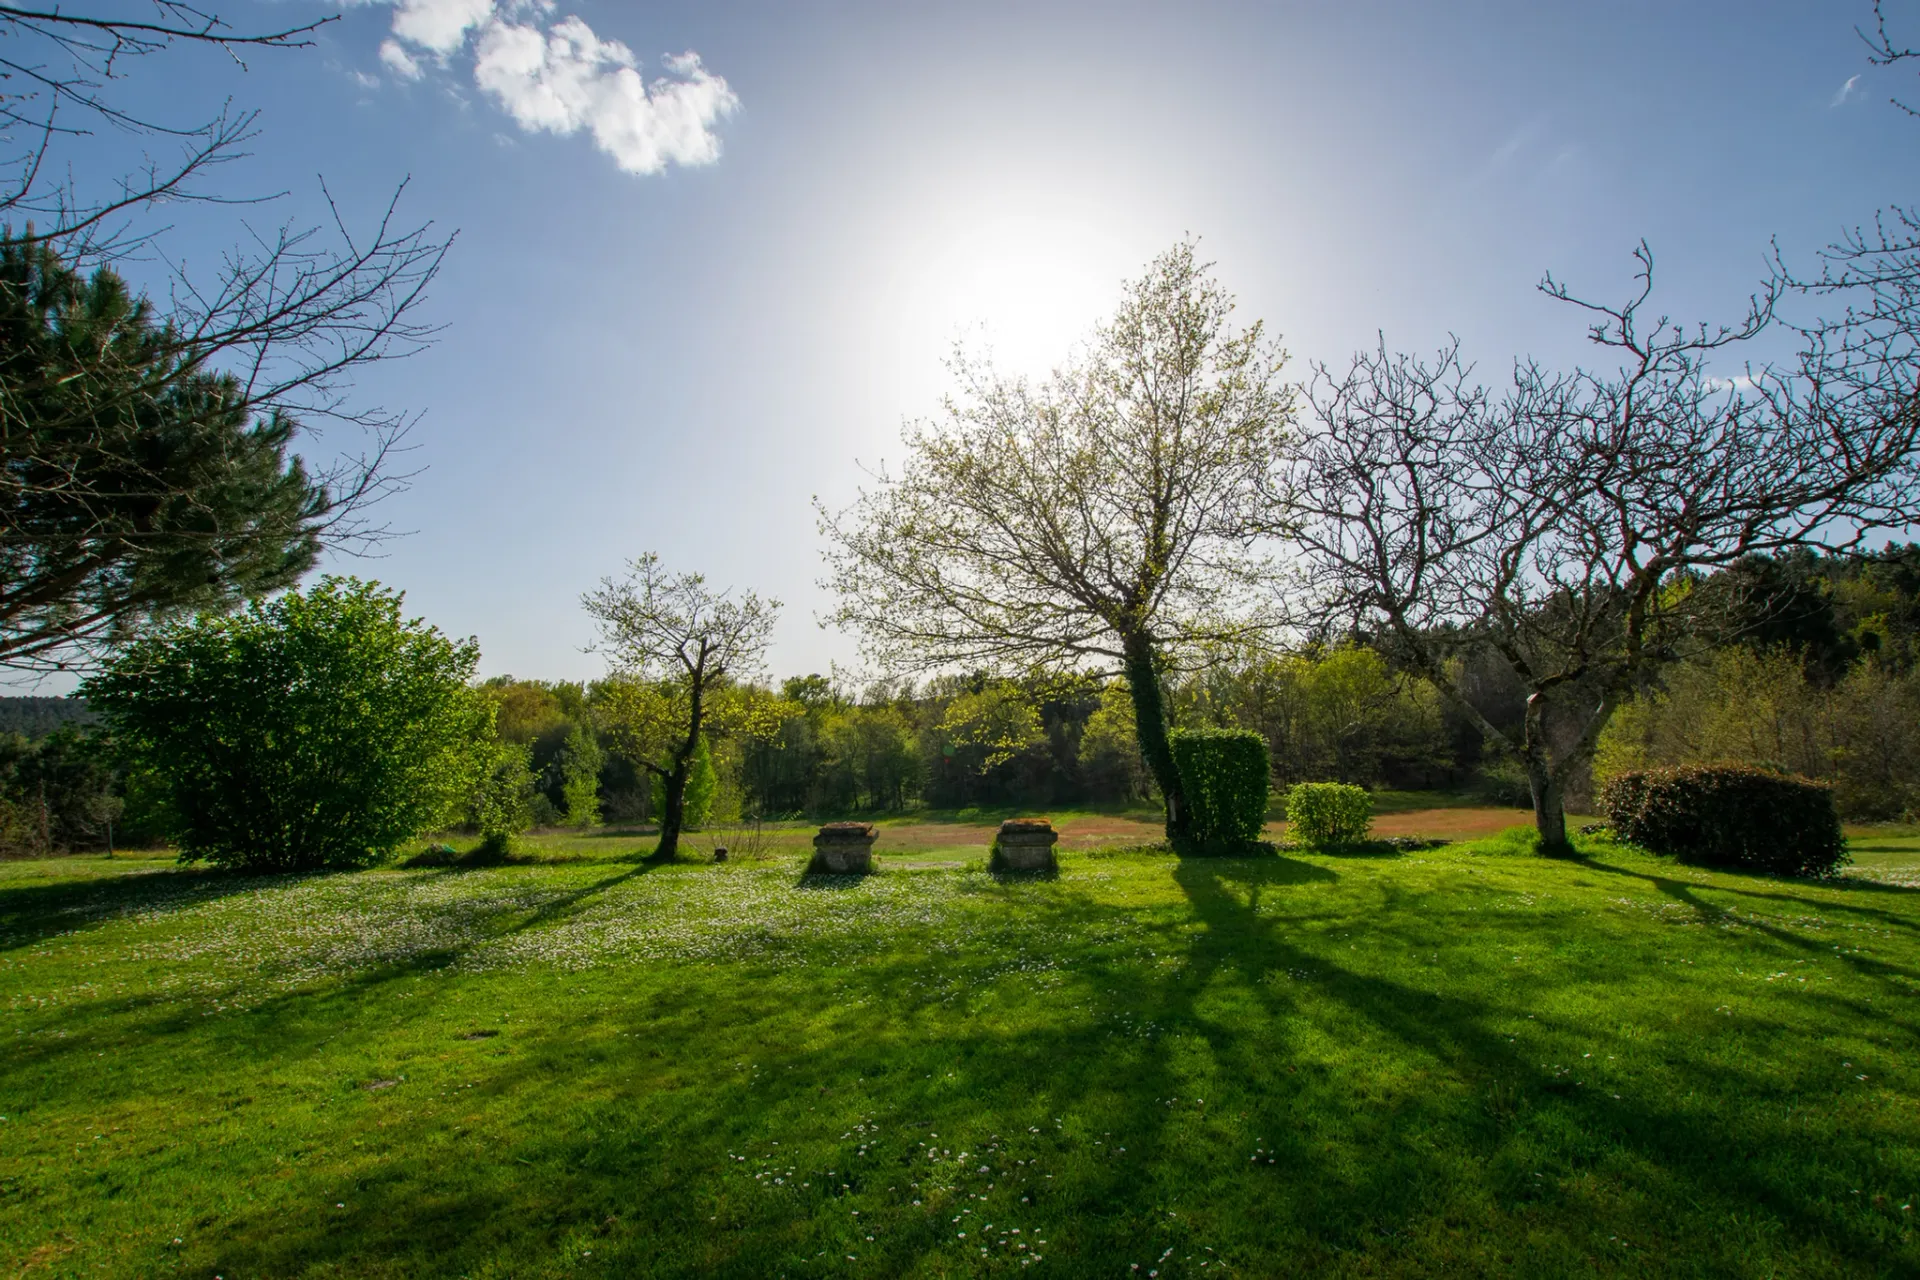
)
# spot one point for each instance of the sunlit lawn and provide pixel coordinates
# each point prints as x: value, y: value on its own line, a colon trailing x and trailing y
x: 1462, y: 1061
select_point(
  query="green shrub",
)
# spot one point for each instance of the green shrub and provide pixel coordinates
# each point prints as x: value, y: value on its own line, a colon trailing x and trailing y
x: 1729, y: 815
x: 1224, y: 773
x: 318, y: 729
x: 502, y: 805
x: 1328, y: 813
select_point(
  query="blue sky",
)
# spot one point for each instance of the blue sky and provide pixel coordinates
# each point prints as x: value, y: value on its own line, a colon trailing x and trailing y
x: 670, y: 334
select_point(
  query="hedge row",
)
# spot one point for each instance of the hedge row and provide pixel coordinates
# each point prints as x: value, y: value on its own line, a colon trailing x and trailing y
x: 1730, y: 816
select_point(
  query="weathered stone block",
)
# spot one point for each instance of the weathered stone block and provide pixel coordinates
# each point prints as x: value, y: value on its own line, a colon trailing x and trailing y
x: 1025, y: 844
x: 844, y: 848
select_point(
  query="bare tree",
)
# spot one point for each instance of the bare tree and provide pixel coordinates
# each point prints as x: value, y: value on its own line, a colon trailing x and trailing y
x: 683, y: 646
x: 1564, y: 522
x: 56, y: 68
x: 131, y: 433
x: 1104, y: 518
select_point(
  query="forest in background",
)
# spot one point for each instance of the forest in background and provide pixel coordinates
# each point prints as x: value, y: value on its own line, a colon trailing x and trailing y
x: 1819, y: 675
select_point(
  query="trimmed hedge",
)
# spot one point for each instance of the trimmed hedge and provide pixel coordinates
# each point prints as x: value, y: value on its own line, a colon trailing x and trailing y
x: 1329, y: 813
x: 1729, y: 815
x: 1225, y: 774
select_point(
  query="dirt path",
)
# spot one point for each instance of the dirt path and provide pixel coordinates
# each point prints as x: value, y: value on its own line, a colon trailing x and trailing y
x: 1081, y: 831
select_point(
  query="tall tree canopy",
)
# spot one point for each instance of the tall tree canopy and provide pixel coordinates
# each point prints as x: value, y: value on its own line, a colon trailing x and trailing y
x: 1566, y: 520
x: 1102, y: 518
x: 134, y: 483
x: 145, y: 457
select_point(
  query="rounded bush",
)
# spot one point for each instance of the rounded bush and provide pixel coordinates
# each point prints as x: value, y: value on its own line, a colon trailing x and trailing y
x: 1224, y: 773
x: 1729, y: 815
x: 318, y: 729
x: 1329, y: 813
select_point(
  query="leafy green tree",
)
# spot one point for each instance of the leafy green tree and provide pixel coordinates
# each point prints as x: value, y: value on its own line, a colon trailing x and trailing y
x: 503, y: 796
x: 682, y: 649
x: 1109, y: 748
x: 997, y: 723
x: 56, y: 794
x: 1104, y: 519
x: 319, y: 729
x: 580, y: 761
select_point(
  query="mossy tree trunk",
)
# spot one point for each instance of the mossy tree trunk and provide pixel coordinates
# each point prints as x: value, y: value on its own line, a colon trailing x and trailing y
x: 1150, y: 724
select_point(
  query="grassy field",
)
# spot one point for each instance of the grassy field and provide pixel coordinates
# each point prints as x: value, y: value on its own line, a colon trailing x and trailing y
x: 1462, y: 1061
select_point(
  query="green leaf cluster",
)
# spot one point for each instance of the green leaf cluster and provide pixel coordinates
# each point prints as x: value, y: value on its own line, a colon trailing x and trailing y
x: 1328, y: 814
x: 319, y: 729
x: 1225, y: 774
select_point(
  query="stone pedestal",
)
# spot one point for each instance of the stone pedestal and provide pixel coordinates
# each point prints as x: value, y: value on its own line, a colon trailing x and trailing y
x: 1025, y: 844
x: 844, y: 849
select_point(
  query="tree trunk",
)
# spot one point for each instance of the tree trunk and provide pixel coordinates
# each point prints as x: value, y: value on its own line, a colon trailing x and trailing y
x: 1549, y: 804
x: 1150, y: 725
x: 673, y: 786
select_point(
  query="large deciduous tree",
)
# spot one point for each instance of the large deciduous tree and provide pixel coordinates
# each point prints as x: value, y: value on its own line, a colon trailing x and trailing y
x: 1102, y: 518
x: 682, y: 651
x: 1565, y: 521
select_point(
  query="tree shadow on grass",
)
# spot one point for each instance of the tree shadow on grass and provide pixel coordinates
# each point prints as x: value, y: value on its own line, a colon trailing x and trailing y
x: 1455, y: 1033
x: 1683, y: 891
x: 32, y: 913
x: 621, y: 1154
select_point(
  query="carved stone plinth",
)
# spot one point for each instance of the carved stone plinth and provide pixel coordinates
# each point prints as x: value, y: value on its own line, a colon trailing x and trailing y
x: 1025, y: 844
x: 844, y: 849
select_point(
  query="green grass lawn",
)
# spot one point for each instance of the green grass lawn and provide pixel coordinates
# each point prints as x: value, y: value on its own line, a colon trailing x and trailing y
x: 1463, y: 1061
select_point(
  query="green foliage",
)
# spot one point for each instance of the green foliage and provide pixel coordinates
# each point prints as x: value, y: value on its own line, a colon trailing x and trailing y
x: 1328, y: 814
x: 1110, y: 760
x: 139, y: 484
x: 580, y: 762
x: 997, y: 723
x: 702, y: 785
x: 1337, y: 714
x: 35, y: 718
x: 319, y: 729
x: 1225, y: 773
x: 1769, y: 709
x: 57, y: 794
x: 502, y: 805
x: 1729, y: 815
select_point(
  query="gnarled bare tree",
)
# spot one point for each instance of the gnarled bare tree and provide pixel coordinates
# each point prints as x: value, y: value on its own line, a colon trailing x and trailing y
x: 1564, y: 520
x: 1104, y: 518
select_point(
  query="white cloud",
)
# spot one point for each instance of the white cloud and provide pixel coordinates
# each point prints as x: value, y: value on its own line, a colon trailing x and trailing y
x: 439, y: 25
x: 399, y: 61
x: 559, y: 77
x: 366, y: 81
x: 1846, y: 91
x: 566, y: 78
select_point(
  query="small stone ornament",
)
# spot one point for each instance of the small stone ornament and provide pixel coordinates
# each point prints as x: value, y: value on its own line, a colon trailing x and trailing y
x: 844, y: 849
x: 720, y: 853
x: 1025, y: 844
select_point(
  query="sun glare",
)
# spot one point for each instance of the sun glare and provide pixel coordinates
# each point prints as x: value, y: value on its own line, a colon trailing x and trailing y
x: 1026, y: 287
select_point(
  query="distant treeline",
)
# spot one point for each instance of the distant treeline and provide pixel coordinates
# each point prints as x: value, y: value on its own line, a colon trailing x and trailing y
x: 1837, y: 640
x: 34, y: 718
x: 1815, y: 669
